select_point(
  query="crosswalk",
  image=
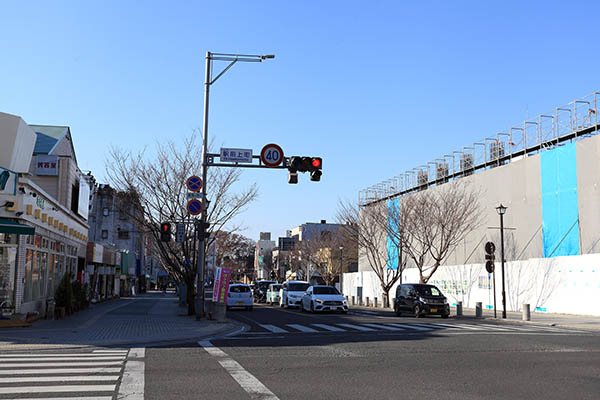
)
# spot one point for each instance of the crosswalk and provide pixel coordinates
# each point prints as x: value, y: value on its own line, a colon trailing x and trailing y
x: 406, y: 328
x: 91, y: 375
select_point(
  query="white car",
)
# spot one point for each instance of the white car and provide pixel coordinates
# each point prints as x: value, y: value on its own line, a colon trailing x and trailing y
x: 239, y: 295
x: 323, y: 298
x: 292, y: 292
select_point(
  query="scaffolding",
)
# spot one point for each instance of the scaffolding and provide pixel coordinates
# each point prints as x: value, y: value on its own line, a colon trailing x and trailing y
x: 574, y: 121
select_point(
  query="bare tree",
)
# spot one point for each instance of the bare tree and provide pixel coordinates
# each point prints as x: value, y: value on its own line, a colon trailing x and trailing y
x: 364, y: 224
x: 234, y: 251
x: 324, y: 252
x: 158, y: 182
x: 435, y: 222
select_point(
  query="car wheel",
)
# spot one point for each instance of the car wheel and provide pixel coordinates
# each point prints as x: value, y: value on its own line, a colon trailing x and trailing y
x: 444, y: 316
x: 302, y: 307
x: 250, y: 308
x: 417, y: 311
x: 397, y: 311
x: 287, y: 303
x: 312, y: 307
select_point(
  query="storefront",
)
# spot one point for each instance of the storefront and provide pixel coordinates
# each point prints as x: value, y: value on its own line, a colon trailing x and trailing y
x: 9, y: 238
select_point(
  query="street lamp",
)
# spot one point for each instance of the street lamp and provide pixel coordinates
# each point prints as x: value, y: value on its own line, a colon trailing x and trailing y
x: 501, y: 211
x: 208, y: 81
x: 341, y: 266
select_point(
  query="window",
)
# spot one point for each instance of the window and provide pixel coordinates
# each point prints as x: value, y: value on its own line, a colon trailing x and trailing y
x: 105, y: 211
x: 104, y: 234
x: 239, y: 289
x: 75, y: 197
x: 123, y: 234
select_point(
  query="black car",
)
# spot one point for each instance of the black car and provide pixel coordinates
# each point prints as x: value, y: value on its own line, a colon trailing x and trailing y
x: 260, y: 291
x: 420, y: 299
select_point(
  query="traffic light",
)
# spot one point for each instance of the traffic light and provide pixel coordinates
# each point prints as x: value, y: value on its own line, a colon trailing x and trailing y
x: 202, y: 228
x: 297, y: 164
x: 316, y: 166
x: 165, y: 232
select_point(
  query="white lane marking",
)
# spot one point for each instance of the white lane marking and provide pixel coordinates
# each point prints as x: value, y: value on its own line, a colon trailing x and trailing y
x: 132, y: 384
x: 273, y: 328
x: 387, y: 328
x: 80, y: 378
x: 444, y: 326
x: 49, y: 358
x: 57, y: 389
x: 329, y: 328
x: 246, y: 380
x: 110, y: 351
x: 302, y: 328
x: 429, y: 326
x: 61, y: 364
x: 68, y: 398
x: 60, y: 371
x: 89, y: 355
x: 357, y: 327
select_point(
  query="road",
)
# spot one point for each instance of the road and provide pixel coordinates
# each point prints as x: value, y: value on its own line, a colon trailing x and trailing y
x: 286, y: 354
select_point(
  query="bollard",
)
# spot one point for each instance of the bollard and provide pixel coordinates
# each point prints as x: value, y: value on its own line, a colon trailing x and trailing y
x: 368, y: 303
x: 478, y: 310
x: 375, y: 302
x: 353, y: 300
x: 459, y: 308
x: 360, y: 302
x: 526, y: 313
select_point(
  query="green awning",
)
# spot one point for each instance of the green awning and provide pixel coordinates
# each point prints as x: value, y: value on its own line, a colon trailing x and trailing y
x: 9, y: 226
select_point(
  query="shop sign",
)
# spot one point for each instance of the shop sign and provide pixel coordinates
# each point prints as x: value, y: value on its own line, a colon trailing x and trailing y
x: 40, y: 202
x: 98, y: 251
x: 46, y: 165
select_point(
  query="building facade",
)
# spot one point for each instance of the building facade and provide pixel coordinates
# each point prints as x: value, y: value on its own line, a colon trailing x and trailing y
x: 43, y: 220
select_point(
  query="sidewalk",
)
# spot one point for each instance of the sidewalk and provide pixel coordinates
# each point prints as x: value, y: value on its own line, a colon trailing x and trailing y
x: 142, y: 320
x: 585, y: 322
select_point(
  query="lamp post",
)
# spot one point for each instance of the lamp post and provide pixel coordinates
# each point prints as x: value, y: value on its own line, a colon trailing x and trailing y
x: 208, y: 81
x: 501, y: 211
x: 341, y: 266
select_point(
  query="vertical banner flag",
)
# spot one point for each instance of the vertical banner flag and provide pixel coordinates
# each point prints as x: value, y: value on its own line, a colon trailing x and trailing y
x: 217, y: 284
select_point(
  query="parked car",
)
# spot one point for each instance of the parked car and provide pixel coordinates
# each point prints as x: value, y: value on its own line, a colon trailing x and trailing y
x: 273, y: 294
x: 260, y: 290
x: 292, y: 292
x: 420, y: 300
x: 323, y: 298
x: 239, y: 296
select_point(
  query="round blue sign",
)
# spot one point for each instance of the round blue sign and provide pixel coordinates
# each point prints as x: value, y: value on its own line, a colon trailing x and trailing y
x: 194, y: 206
x: 194, y: 183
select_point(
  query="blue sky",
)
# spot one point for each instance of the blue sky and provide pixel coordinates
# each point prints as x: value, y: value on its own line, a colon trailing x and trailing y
x: 373, y: 87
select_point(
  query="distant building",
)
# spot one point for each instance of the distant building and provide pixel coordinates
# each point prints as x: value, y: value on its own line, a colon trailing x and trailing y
x: 263, y: 256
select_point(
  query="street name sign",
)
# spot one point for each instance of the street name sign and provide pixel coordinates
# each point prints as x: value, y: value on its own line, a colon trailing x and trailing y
x: 236, y: 155
x: 271, y: 155
x: 194, y: 183
x: 194, y: 207
x: 193, y: 195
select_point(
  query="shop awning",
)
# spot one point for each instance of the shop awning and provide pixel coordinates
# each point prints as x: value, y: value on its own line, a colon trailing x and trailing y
x: 9, y: 226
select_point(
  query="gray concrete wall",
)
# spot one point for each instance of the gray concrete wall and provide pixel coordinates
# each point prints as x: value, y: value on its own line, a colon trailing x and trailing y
x: 588, y: 193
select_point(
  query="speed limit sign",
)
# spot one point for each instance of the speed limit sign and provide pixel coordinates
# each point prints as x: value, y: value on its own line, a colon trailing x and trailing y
x: 271, y: 155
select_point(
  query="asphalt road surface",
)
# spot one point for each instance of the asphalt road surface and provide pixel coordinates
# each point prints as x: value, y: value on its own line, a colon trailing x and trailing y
x: 287, y: 354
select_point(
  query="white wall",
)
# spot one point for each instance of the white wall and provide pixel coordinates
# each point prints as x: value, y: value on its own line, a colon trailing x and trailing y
x: 18, y: 141
x: 569, y: 285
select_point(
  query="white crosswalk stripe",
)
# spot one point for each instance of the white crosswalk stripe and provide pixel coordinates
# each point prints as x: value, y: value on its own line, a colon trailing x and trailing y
x: 357, y: 327
x: 302, y: 328
x: 329, y: 328
x: 273, y: 328
x: 409, y: 327
x: 385, y: 327
x: 58, y: 375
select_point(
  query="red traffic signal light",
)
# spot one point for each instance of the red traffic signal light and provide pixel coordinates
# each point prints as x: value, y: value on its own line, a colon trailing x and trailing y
x: 165, y: 232
x: 316, y: 162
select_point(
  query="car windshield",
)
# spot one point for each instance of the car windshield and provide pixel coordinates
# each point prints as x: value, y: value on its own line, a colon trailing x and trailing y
x: 264, y: 285
x: 426, y: 290
x: 325, y: 290
x: 239, y: 289
x: 276, y: 287
x: 298, y: 287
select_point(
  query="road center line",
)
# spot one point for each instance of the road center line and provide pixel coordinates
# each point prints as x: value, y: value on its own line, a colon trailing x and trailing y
x: 246, y: 380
